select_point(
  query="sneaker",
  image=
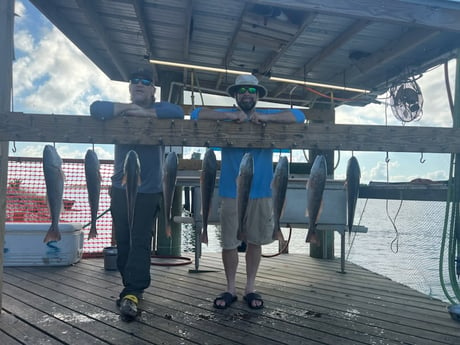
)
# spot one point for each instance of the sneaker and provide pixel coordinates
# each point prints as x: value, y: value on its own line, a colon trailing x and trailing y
x: 128, y: 306
x: 118, y: 301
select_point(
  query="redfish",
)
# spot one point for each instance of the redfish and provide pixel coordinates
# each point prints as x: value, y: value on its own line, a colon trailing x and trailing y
x: 54, y: 179
x: 315, y: 188
x: 93, y: 185
x: 243, y: 188
x: 132, y: 180
x: 207, y: 184
x: 279, y: 188
x: 169, y: 185
x: 352, y: 187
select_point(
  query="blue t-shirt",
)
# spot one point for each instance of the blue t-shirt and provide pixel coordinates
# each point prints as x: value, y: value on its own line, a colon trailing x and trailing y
x: 151, y: 157
x: 263, y: 162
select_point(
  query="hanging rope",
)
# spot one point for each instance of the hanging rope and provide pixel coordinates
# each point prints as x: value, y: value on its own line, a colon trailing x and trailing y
x: 286, y: 245
x: 359, y: 223
x: 395, y: 241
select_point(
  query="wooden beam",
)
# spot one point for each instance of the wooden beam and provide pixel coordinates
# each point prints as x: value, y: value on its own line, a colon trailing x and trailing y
x: 90, y: 12
x: 429, y: 13
x: 140, y: 130
x: 338, y: 42
x: 393, y: 50
x: 188, y: 28
x: 6, y: 66
x: 231, y: 46
x: 272, y: 59
x: 139, y: 8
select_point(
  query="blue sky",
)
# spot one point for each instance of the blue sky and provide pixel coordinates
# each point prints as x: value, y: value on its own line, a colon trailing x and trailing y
x: 50, y: 75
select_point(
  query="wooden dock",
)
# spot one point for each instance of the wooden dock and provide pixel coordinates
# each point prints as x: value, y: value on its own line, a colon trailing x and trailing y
x: 307, y: 301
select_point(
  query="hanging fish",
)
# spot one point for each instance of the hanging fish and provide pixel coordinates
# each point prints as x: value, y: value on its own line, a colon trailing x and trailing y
x: 169, y: 185
x: 93, y: 185
x: 54, y: 179
x: 207, y: 184
x: 279, y: 188
x: 132, y: 180
x: 243, y: 188
x: 315, y: 188
x: 352, y: 186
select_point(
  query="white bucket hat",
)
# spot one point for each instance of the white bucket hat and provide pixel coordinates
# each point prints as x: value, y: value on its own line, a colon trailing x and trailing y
x: 247, y: 80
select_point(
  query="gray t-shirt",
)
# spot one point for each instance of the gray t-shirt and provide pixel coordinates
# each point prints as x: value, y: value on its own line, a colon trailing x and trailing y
x: 151, y: 157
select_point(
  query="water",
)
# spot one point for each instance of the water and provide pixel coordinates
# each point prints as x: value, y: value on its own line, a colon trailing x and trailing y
x: 402, y: 243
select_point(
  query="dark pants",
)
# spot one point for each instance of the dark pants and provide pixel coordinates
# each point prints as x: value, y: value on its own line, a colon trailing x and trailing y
x: 134, y: 249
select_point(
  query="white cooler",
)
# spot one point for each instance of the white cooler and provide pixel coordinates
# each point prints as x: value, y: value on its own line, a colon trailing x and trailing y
x: 24, y: 245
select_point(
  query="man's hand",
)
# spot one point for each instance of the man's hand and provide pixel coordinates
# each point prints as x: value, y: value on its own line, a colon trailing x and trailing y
x: 238, y: 116
x: 136, y: 110
x: 258, y: 118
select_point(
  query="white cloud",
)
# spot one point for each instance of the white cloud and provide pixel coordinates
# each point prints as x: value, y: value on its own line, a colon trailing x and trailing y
x: 55, y: 77
x: 19, y: 9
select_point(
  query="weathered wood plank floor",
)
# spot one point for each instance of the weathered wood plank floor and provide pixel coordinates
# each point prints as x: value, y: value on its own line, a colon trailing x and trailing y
x: 306, y: 302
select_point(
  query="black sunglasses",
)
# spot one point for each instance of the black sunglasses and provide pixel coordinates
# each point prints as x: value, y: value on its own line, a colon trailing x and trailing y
x: 251, y: 90
x: 145, y: 82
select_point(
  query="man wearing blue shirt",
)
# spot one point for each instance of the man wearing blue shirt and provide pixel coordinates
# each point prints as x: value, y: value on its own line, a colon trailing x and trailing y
x: 134, y: 250
x: 259, y: 222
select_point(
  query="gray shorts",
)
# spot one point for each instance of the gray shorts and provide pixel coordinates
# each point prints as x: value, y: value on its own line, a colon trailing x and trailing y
x: 259, y: 222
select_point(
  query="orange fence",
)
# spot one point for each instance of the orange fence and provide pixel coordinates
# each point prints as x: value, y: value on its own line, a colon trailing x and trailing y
x: 26, y: 197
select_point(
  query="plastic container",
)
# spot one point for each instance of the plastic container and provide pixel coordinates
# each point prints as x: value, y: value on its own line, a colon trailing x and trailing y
x: 24, y: 245
x: 110, y: 258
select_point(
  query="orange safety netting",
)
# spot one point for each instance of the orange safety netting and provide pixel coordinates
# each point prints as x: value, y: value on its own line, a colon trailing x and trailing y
x: 26, y: 198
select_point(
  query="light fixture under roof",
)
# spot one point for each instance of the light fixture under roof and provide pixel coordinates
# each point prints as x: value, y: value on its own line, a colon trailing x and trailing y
x: 231, y: 71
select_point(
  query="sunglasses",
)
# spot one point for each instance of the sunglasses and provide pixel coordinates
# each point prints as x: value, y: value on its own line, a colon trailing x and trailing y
x: 144, y: 82
x: 251, y: 90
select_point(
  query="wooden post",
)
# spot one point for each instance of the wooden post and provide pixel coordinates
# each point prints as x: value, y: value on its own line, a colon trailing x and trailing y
x: 326, y: 237
x: 6, y: 58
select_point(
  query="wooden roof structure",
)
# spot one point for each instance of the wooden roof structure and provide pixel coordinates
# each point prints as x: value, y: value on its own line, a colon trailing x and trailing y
x: 361, y: 44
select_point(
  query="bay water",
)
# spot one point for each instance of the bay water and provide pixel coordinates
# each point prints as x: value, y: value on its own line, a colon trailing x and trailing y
x: 402, y: 242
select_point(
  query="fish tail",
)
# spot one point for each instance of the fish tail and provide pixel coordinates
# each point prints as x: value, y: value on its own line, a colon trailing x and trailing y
x: 278, y: 235
x: 92, y: 232
x: 204, y: 236
x: 312, y: 237
x: 53, y: 234
x: 168, y: 231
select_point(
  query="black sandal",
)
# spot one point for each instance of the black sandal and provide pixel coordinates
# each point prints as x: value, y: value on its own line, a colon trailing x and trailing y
x: 227, y: 297
x: 251, y: 297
